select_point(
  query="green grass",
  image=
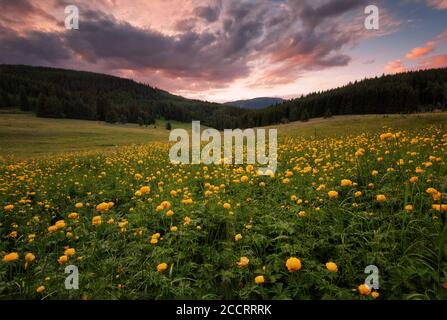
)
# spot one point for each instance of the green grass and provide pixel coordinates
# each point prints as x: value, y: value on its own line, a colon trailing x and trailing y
x: 382, y: 213
x: 343, y: 125
x: 26, y: 136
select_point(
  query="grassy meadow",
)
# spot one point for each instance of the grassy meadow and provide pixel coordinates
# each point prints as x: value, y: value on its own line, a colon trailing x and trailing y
x: 349, y: 192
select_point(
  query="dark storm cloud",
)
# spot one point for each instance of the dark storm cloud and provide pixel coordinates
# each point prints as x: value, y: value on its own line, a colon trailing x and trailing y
x: 294, y: 34
x: 36, y: 48
x: 210, y: 14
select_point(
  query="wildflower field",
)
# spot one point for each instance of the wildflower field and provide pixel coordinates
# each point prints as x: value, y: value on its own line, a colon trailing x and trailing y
x: 138, y: 227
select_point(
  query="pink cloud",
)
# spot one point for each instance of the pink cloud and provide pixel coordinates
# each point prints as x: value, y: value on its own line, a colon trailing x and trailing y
x: 437, y: 4
x: 420, y: 51
x: 395, y: 66
x: 439, y: 61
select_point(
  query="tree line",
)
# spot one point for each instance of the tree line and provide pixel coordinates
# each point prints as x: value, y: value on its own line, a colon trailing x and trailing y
x: 59, y: 93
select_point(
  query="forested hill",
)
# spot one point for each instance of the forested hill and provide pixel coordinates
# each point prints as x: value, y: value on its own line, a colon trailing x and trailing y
x: 72, y: 94
x: 409, y: 92
x: 61, y: 93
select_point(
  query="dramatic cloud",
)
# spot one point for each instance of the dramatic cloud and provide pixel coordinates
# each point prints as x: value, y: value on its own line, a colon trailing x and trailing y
x: 193, y: 46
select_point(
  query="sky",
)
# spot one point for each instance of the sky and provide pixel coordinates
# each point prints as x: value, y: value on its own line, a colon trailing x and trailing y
x: 225, y: 50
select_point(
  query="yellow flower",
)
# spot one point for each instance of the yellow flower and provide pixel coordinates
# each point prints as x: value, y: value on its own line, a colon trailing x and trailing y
x: 69, y: 252
x: 111, y: 221
x: 11, y: 257
x: 432, y: 191
x: 40, y: 289
x: 62, y: 259
x: 259, y: 280
x: 381, y: 197
x: 408, y: 208
x: 302, y: 213
x: 104, y: 206
x: 414, y: 179
x: 186, y: 220
x: 73, y: 215
x: 333, y: 194
x: 439, y: 207
x: 375, y: 294
x: 145, y: 189
x: 238, y: 237
x: 358, y: 194
x: 374, y: 173
x: 60, y: 224
x: 169, y: 213
x: 346, y: 183
x: 29, y: 257
x: 138, y: 176
x: 174, y: 228
x: 156, y: 235
x: 331, y: 266
x: 243, y: 262
x: 97, y: 220
x: 364, y: 290
x: 8, y: 207
x: 293, y: 264
x: 162, y: 267
x: 154, y: 241
x: 78, y: 205
x: 244, y: 179
x: 226, y: 205
x: 52, y: 228
x: 165, y: 204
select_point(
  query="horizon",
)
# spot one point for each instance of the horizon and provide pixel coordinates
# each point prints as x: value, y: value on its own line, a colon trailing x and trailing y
x: 212, y: 50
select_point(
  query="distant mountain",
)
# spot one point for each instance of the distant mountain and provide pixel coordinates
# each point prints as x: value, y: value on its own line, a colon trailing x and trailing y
x: 256, y: 103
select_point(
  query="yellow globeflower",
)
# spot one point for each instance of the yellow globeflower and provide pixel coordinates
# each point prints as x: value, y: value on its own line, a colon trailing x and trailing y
x: 29, y: 257
x: 174, y: 228
x: 162, y: 267
x: 73, y: 216
x: 13, y: 256
x: 439, y: 207
x: 333, y: 194
x: 375, y: 294
x: 364, y: 290
x: 62, y: 259
x: 60, y: 224
x: 346, y: 183
x: 293, y: 264
x: 244, y: 179
x: 331, y: 266
x: 40, y: 289
x: 381, y: 197
x: 78, y: 205
x: 238, y: 237
x: 243, y: 262
x: 226, y: 205
x: 259, y: 280
x: 169, y: 213
x: 409, y: 208
x: 8, y: 207
x: 145, y: 189
x: 97, y: 220
x: 104, y: 206
x: 69, y: 252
